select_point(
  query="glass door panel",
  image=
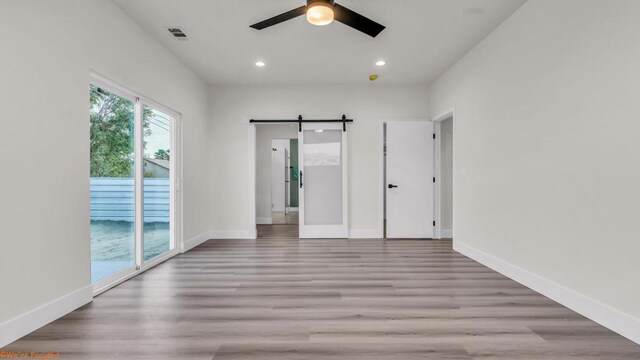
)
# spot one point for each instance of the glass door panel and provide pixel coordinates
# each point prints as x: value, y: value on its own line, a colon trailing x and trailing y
x: 157, y: 228
x: 132, y: 182
x: 112, y: 183
x: 323, y: 205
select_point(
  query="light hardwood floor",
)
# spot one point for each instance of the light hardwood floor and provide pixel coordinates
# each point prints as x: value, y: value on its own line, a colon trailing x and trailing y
x: 283, y: 298
x: 280, y: 218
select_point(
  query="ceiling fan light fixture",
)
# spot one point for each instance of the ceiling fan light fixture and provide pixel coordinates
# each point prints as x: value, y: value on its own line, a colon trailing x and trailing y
x: 324, y: 12
x: 320, y: 13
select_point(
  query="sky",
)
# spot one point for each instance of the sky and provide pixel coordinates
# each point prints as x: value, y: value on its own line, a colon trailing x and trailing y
x: 160, y: 138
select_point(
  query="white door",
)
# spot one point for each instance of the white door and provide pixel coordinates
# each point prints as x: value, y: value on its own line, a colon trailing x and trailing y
x: 323, y: 181
x: 278, y: 173
x: 409, y: 179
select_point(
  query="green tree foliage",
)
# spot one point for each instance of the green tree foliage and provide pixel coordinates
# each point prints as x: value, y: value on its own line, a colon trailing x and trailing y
x: 112, y: 134
x: 162, y: 154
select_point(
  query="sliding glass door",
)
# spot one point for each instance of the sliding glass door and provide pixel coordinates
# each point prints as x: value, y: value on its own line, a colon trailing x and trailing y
x: 112, y: 138
x: 132, y: 183
x: 157, y: 183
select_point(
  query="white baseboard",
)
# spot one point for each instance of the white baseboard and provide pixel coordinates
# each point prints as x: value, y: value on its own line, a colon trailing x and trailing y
x: 446, y: 234
x: 294, y: 209
x: 366, y: 234
x: 240, y: 234
x: 243, y: 234
x: 13, y: 329
x: 193, y: 242
x: 264, y: 221
x: 605, y: 315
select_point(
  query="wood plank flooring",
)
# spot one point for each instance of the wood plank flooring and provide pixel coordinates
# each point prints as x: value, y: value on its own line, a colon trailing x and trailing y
x: 278, y: 232
x: 280, y: 298
x: 280, y: 218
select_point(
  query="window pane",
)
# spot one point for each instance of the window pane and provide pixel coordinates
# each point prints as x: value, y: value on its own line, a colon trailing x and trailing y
x: 112, y: 183
x: 157, y: 180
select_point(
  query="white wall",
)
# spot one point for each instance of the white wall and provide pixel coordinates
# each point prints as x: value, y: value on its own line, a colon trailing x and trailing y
x: 368, y: 105
x: 264, y: 135
x: 547, y: 150
x: 46, y: 53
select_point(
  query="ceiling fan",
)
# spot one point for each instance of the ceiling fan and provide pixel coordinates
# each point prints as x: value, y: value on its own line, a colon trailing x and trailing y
x: 324, y: 12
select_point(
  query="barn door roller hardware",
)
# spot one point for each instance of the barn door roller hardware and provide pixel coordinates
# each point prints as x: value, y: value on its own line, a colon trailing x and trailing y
x: 300, y: 121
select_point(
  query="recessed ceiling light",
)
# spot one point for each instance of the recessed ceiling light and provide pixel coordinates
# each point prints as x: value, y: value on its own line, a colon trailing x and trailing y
x: 260, y: 64
x: 381, y: 63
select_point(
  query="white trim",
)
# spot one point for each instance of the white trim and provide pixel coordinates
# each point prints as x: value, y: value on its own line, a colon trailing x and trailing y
x: 446, y: 234
x: 13, y: 329
x: 439, y: 233
x: 176, y: 183
x: 293, y: 209
x: 230, y: 235
x: 251, y: 136
x: 445, y: 115
x: 264, y: 221
x: 139, y: 182
x: 111, y: 86
x: 437, y: 173
x: 381, y: 179
x: 366, y: 234
x: 195, y: 241
x: 605, y: 315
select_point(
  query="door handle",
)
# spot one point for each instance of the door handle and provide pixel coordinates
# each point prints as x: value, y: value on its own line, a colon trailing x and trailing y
x: 301, y: 180
x: 391, y: 186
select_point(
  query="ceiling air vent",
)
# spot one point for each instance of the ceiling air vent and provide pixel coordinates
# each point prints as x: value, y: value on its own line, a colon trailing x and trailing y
x: 178, y: 33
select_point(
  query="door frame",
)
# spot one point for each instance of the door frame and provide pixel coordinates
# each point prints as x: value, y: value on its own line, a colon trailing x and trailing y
x: 176, y: 198
x: 252, y: 171
x: 286, y: 184
x: 383, y: 170
x: 437, y: 203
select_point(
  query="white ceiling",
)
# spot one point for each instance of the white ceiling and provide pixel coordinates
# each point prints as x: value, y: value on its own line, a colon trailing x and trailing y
x: 423, y: 38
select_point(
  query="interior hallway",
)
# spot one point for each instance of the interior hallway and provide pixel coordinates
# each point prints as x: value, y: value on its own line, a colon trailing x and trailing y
x: 284, y: 298
x: 280, y: 218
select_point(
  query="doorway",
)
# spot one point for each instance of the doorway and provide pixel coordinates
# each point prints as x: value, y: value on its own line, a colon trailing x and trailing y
x: 284, y: 181
x: 320, y: 187
x: 444, y: 170
x: 276, y: 183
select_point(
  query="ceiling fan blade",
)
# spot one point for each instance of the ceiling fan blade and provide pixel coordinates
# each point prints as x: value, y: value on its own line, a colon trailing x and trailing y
x: 357, y: 21
x: 280, y: 18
